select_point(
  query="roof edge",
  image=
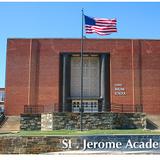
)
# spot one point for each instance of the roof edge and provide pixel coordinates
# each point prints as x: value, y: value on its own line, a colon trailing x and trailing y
x: 80, y: 39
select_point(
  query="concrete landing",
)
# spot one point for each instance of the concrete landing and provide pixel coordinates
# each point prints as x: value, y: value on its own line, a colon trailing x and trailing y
x: 153, y: 121
x: 12, y: 123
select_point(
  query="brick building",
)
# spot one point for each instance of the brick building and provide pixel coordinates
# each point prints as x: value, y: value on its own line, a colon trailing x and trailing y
x: 117, y: 72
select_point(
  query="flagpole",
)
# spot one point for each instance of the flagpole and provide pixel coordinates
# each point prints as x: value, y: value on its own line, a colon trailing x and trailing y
x: 81, y: 95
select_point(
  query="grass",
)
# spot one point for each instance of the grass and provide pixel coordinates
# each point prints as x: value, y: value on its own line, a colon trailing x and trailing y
x: 88, y: 132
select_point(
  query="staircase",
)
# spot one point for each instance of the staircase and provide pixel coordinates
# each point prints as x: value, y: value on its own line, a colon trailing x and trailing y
x: 11, y: 124
x: 153, y: 121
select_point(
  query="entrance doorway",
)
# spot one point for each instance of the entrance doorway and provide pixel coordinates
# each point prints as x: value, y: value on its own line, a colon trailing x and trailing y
x: 96, y: 82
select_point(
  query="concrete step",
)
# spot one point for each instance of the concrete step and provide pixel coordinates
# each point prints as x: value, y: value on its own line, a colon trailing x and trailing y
x: 12, y: 123
x: 153, y: 121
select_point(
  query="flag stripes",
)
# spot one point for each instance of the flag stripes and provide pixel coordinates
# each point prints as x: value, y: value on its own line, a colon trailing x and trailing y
x: 100, y: 26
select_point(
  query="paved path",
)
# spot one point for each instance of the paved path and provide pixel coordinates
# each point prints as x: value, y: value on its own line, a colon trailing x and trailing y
x: 11, y: 124
x: 98, y: 153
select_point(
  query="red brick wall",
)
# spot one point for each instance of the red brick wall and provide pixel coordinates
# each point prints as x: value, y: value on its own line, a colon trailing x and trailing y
x: 17, y: 75
x: 151, y: 76
x: 33, y: 70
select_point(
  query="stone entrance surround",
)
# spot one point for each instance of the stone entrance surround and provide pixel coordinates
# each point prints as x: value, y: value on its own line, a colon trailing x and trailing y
x: 70, y: 121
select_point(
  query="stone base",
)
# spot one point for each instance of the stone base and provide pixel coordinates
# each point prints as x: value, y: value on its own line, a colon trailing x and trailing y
x: 30, y: 122
x: 70, y: 121
x: 99, y: 121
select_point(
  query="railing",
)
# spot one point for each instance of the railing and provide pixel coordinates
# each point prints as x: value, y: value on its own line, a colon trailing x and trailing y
x: 38, y: 109
x: 117, y: 108
x: 126, y: 108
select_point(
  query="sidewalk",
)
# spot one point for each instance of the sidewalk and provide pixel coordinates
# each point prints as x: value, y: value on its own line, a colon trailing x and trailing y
x: 99, y: 153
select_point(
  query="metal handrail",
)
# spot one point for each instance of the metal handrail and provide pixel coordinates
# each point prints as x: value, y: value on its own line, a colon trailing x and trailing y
x: 114, y: 107
x: 126, y: 108
x: 38, y: 109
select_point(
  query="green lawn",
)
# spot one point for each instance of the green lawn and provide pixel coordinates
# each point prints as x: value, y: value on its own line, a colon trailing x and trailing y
x: 89, y: 132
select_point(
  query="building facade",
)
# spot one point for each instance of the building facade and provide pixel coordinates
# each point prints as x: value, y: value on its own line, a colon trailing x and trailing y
x: 116, y: 73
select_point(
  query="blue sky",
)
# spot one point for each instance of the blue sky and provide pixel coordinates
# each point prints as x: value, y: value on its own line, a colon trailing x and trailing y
x: 63, y: 19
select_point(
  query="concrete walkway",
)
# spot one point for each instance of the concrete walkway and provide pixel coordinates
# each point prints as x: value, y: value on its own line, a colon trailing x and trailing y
x: 98, y: 153
x: 11, y: 124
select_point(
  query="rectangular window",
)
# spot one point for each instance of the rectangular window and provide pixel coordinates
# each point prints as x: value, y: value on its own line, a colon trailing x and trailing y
x: 90, y: 76
x: 1, y: 108
x: 2, y: 96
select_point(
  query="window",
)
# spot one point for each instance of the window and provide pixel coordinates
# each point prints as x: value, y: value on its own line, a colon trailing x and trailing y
x: 1, y: 108
x: 2, y: 96
x: 90, y: 76
x: 88, y: 105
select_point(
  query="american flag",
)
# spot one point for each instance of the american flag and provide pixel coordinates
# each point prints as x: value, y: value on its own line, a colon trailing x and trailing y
x: 101, y: 26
